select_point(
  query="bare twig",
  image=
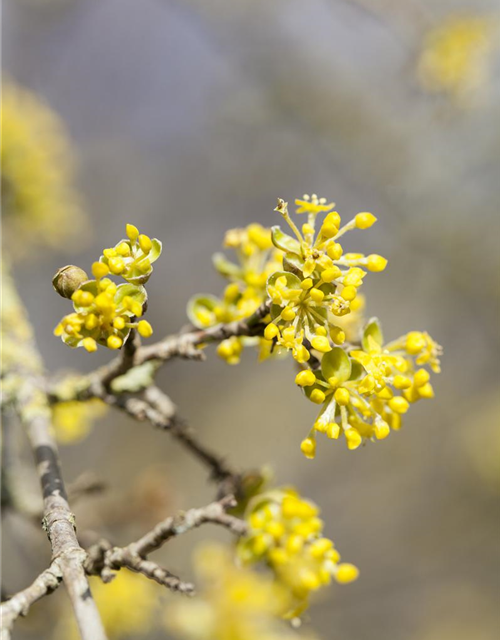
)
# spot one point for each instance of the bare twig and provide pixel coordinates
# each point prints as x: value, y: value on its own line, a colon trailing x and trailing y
x: 103, y: 558
x: 156, y: 407
x: 18, y: 605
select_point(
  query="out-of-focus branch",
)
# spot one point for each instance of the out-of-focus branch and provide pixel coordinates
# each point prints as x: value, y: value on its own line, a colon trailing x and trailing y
x: 103, y: 558
x: 156, y: 407
x: 18, y: 605
x: 23, y: 376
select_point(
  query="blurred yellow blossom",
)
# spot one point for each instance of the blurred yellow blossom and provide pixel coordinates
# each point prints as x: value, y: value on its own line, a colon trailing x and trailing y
x: 39, y: 204
x: 128, y: 606
x: 73, y: 420
x: 455, y: 55
x: 235, y: 603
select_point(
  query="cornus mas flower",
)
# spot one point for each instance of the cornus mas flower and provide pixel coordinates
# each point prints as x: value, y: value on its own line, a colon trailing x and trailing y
x: 235, y: 603
x: 132, y: 258
x: 40, y: 206
x: 456, y: 53
x: 318, y: 281
x: 364, y: 393
x: 104, y: 312
x: 257, y: 260
x: 286, y: 533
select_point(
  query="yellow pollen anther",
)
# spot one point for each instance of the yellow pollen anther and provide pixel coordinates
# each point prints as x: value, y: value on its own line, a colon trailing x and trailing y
x: 271, y: 331
x: 330, y: 274
x: 308, y: 448
x: 306, y: 284
x: 116, y: 265
x: 342, y: 397
x: 123, y: 249
x: 376, y: 263
x: 99, y: 270
x: 305, y: 378
x: 316, y: 294
x: 144, y: 329
x: 132, y: 232
x: 399, y: 404
x: 145, y: 243
x: 119, y: 323
x: 364, y: 220
x: 335, y: 251
x: 288, y: 314
x: 114, y: 342
x: 346, y: 573
x: 321, y: 343
x: 349, y: 293
x: 90, y: 344
x: 317, y: 396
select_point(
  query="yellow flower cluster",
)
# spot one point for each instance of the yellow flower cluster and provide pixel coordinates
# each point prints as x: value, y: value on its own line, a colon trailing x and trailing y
x: 316, y: 310
x: 365, y: 392
x: 286, y: 532
x: 257, y: 260
x: 105, y: 312
x: 73, y: 420
x: 319, y: 282
x: 131, y: 259
x: 235, y: 604
x: 39, y: 204
x: 454, y: 59
x: 127, y: 605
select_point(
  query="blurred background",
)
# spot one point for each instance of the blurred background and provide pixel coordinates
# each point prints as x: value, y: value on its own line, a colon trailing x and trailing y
x: 188, y: 118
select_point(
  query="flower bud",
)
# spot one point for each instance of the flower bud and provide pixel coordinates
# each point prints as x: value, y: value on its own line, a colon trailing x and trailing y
x: 67, y: 280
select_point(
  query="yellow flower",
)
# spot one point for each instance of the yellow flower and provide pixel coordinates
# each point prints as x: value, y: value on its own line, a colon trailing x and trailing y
x: 73, y: 420
x: 235, y: 603
x: 365, y: 392
x: 257, y: 260
x: 128, y: 606
x: 105, y: 313
x: 39, y: 204
x: 318, y: 283
x: 286, y: 533
x: 455, y: 55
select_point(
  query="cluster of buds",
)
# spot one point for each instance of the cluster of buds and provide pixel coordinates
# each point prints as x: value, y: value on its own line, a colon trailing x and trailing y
x: 364, y: 393
x: 246, y: 291
x: 104, y: 312
x: 316, y: 314
x: 285, y: 531
x: 319, y: 283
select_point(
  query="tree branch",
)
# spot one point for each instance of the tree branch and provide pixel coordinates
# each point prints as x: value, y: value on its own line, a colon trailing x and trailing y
x: 156, y: 407
x: 18, y: 605
x: 103, y: 558
x: 24, y: 377
x: 182, y: 345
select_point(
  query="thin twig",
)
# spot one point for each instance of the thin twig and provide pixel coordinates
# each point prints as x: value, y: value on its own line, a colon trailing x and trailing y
x: 103, y: 558
x: 182, y: 345
x: 18, y: 605
x: 156, y: 407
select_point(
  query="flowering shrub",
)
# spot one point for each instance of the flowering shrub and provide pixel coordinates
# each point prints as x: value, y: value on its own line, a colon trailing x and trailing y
x: 291, y: 293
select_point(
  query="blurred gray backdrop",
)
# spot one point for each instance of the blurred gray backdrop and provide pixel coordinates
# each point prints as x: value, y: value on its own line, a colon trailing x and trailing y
x: 191, y: 117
